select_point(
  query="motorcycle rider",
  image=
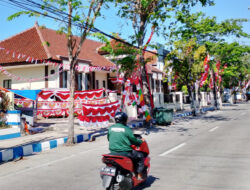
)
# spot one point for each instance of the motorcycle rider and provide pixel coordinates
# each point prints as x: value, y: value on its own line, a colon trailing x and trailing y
x: 121, y: 138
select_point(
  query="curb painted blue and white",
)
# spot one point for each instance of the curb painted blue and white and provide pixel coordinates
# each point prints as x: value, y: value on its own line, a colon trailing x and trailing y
x: 9, y: 133
x: 135, y: 125
x: 190, y: 112
x: 31, y: 149
x: 13, y: 118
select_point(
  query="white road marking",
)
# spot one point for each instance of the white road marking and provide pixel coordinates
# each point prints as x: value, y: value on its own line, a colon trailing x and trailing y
x: 172, y: 149
x: 213, y: 129
x: 243, y: 113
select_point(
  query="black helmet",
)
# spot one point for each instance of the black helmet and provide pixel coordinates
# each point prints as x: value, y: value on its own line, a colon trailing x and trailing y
x: 121, y: 117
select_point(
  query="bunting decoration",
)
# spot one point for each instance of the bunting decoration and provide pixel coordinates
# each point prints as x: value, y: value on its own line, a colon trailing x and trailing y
x: 64, y: 95
x: 48, y: 106
x: 97, y: 115
x: 79, y: 68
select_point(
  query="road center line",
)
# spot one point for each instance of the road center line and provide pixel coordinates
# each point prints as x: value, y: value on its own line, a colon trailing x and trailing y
x: 213, y: 129
x: 172, y: 149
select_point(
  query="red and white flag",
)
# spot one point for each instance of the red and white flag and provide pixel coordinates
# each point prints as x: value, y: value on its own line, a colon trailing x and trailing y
x: 211, y: 82
x: 205, y: 74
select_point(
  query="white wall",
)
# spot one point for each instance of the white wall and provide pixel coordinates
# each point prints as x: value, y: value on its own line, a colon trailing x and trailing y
x: 26, y: 73
x: 158, y: 96
x: 54, y: 82
x: 101, y: 76
x: 66, y: 68
x: 31, y: 72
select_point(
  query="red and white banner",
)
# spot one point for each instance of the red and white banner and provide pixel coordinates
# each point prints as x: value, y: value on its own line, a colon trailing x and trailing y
x: 64, y: 95
x: 98, y: 115
x: 57, y: 112
x: 101, y: 109
x: 47, y: 107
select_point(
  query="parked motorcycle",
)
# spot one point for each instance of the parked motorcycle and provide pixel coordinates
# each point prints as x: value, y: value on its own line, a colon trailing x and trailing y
x: 120, y: 171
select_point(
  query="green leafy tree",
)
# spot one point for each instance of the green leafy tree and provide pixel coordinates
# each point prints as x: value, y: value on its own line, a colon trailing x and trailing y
x: 150, y: 13
x: 74, y: 15
x: 237, y: 59
x: 205, y: 31
x: 186, y: 62
x: 4, y: 106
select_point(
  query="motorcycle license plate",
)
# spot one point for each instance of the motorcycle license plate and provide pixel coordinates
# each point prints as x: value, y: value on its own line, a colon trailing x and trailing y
x: 108, y: 171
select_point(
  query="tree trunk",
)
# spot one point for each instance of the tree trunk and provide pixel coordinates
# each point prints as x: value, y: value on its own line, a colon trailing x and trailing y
x: 145, y: 85
x: 72, y: 78
x: 215, y: 92
x: 71, y: 132
x: 71, y: 44
x: 191, y: 98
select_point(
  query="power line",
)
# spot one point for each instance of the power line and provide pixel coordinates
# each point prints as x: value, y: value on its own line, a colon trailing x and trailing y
x: 30, y: 5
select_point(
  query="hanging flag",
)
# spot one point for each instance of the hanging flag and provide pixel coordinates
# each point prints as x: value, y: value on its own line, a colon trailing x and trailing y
x: 217, y: 71
x: 206, y: 68
x: 211, y: 83
x: 246, y: 84
x: 140, y: 96
x: 147, y: 115
x: 117, y: 80
x: 174, y: 83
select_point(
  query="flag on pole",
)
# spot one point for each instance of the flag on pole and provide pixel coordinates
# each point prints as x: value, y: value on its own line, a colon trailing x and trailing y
x: 206, y: 68
x: 211, y: 83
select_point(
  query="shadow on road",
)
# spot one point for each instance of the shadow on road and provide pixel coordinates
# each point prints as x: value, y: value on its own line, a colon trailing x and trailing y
x: 215, y: 118
x: 151, y: 179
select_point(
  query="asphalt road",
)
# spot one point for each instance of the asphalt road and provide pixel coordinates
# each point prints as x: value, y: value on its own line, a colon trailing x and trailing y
x: 210, y: 152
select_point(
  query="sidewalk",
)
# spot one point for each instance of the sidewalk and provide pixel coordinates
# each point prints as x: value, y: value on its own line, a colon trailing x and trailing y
x: 54, y: 133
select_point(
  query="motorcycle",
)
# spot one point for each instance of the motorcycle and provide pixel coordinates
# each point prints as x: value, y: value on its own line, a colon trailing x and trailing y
x: 120, y: 171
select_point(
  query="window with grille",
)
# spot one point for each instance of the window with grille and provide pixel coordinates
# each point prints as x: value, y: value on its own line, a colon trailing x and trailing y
x: 7, y: 83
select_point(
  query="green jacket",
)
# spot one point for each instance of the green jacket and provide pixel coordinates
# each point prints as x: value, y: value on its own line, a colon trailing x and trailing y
x: 120, y: 138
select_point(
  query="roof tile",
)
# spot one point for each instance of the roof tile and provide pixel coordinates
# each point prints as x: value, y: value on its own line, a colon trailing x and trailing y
x: 30, y: 43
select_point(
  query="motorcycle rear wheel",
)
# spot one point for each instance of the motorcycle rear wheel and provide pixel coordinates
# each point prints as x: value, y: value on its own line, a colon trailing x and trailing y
x: 113, y: 187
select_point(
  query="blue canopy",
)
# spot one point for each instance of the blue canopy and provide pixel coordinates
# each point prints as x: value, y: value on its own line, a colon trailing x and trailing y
x: 30, y: 94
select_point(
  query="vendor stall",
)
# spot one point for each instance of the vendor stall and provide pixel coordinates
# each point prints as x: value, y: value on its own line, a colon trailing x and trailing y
x: 26, y: 102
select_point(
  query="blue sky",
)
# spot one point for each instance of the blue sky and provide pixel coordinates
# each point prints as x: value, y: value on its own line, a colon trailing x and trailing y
x: 224, y: 9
